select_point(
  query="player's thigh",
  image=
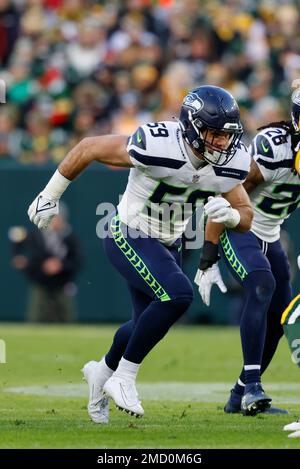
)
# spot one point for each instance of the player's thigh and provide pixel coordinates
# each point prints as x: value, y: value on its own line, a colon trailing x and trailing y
x: 242, y: 254
x: 145, y: 263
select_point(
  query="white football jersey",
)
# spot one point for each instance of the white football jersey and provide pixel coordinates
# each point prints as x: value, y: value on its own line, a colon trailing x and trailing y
x: 164, y: 188
x: 274, y: 200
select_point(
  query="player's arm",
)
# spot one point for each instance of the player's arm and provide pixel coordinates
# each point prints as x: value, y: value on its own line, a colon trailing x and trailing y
x: 254, y: 177
x: 233, y: 210
x: 208, y: 272
x: 107, y: 149
x: 238, y: 200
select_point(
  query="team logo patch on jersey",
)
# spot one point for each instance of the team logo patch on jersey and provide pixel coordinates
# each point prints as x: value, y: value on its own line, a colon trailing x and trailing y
x: 193, y: 101
x: 139, y: 138
x: 264, y: 147
x: 196, y: 178
x: 230, y: 172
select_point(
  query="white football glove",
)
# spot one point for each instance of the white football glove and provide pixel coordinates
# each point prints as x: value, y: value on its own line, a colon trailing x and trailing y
x: 42, y: 210
x: 219, y: 210
x: 205, y: 279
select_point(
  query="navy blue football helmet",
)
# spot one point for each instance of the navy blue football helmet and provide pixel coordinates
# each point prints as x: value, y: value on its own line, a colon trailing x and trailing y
x: 211, y: 108
x: 295, y: 110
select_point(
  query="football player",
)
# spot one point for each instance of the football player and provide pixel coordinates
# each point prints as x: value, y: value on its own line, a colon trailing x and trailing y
x: 290, y: 321
x: 256, y: 259
x: 175, y: 167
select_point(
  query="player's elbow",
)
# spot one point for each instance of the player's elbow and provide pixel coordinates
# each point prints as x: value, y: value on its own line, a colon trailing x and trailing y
x: 88, y: 148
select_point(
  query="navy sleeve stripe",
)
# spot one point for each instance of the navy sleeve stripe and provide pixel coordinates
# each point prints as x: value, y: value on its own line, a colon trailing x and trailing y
x: 155, y: 160
x: 276, y: 164
x: 230, y: 173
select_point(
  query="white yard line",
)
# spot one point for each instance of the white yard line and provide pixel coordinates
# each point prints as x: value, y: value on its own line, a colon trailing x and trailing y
x: 285, y: 393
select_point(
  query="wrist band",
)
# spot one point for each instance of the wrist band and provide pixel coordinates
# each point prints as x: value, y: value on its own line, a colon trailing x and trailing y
x: 209, y: 256
x: 57, y: 185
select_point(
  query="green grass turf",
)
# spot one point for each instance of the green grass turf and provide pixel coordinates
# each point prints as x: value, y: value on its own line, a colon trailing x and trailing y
x: 53, y: 355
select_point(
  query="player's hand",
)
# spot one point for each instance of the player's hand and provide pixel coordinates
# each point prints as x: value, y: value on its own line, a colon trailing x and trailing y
x: 205, y: 279
x: 219, y: 210
x: 42, y: 210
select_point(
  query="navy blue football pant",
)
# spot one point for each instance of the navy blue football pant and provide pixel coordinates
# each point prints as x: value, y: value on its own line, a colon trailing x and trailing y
x: 159, y: 289
x: 262, y: 269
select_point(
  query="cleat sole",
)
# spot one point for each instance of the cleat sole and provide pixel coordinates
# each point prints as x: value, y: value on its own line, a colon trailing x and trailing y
x: 133, y: 414
x: 257, y: 407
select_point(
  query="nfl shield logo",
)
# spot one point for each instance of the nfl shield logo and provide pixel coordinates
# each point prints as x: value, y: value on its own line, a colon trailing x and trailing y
x: 196, y: 178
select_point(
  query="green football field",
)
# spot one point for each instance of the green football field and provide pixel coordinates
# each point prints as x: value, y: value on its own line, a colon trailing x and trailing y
x: 183, y: 384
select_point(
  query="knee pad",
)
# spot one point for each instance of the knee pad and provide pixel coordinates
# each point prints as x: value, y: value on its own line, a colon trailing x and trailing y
x: 261, y: 284
x: 180, y: 288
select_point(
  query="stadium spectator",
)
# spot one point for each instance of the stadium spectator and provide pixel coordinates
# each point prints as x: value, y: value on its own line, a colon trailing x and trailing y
x: 9, y: 29
x: 50, y: 49
x: 51, y: 260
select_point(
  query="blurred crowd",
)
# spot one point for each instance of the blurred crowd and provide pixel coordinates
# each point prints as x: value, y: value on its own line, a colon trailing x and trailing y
x: 75, y: 68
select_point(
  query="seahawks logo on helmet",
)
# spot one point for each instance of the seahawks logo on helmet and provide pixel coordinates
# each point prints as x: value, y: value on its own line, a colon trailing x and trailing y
x: 193, y: 101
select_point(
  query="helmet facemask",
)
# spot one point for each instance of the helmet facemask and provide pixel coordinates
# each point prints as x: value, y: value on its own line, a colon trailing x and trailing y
x: 208, y: 149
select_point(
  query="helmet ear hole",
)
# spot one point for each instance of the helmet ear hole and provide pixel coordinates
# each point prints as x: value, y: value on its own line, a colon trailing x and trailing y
x: 198, y: 123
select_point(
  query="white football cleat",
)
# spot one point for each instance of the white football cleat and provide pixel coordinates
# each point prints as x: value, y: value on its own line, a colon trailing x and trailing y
x: 292, y: 427
x: 125, y: 395
x: 98, y: 405
x: 294, y: 435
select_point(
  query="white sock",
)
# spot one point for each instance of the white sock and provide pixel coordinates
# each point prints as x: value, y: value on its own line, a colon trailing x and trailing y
x: 104, y: 371
x: 127, y: 369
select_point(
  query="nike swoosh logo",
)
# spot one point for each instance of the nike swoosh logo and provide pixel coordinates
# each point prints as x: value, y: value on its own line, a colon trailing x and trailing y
x: 45, y: 206
x: 139, y: 138
x: 266, y: 149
